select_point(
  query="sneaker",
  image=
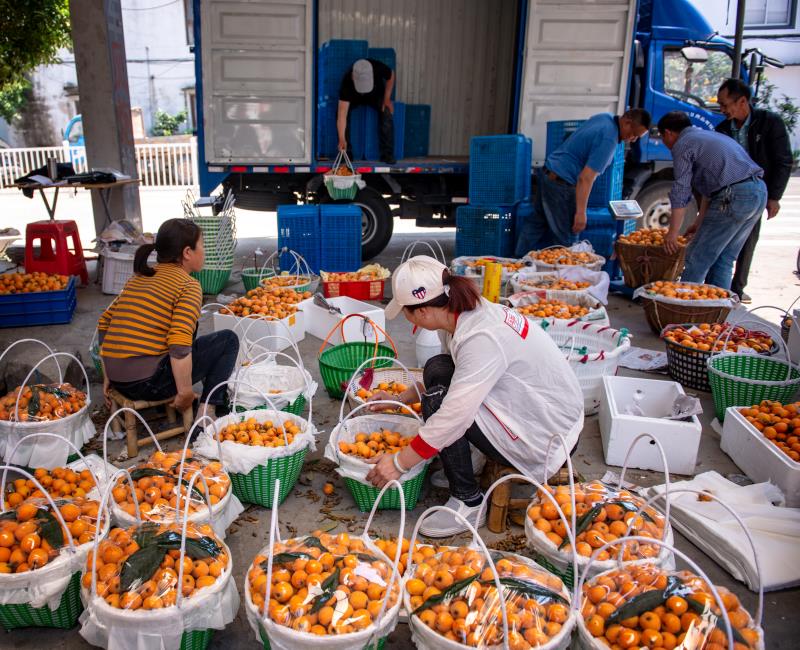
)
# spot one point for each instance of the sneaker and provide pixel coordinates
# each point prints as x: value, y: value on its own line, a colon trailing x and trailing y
x: 744, y: 298
x: 439, y: 480
x: 444, y: 524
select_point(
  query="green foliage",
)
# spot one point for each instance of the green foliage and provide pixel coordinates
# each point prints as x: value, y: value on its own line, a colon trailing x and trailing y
x: 32, y: 33
x: 783, y: 106
x: 13, y: 98
x: 700, y: 79
x: 166, y: 124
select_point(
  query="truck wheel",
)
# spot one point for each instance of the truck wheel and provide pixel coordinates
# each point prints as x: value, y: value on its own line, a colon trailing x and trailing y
x: 376, y: 221
x: 654, y: 201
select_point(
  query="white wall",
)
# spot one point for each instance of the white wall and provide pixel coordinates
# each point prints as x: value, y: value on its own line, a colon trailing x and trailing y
x: 162, y: 30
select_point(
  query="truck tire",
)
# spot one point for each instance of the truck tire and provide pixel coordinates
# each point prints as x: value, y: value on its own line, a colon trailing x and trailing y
x: 654, y: 201
x: 376, y: 221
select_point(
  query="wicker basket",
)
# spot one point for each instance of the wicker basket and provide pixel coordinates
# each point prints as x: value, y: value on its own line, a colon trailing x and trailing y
x: 660, y: 311
x: 645, y: 264
x: 338, y: 363
x: 64, y: 616
x: 745, y: 379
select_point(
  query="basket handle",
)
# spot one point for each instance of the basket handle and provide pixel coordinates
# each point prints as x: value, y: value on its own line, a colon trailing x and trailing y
x: 47, y: 347
x: 773, y: 329
x: 277, y: 337
x: 361, y: 407
x: 185, y: 524
x: 541, y: 487
x: 653, y: 439
x: 651, y: 501
x: 553, y: 438
x: 408, y: 253
x: 476, y: 538
x: 375, y: 328
x: 40, y: 435
x: 692, y: 565
x: 53, y: 355
x: 342, y: 158
x: 373, y: 360
x: 115, y: 414
x: 274, y: 534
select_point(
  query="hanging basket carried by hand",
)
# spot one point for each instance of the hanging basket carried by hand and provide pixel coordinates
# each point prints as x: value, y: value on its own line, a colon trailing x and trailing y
x: 342, y: 182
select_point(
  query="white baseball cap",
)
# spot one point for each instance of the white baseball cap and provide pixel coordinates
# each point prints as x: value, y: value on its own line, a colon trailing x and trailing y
x: 363, y: 77
x: 415, y: 282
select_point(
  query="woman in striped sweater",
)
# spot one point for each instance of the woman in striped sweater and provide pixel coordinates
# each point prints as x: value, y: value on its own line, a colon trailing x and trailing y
x: 147, y: 335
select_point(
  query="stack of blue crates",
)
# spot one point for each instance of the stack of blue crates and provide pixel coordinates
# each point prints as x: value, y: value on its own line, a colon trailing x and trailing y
x: 602, y: 229
x: 417, y: 135
x: 327, y: 236
x: 387, y: 56
x: 340, y: 229
x: 371, y: 139
x: 334, y: 60
x: 499, y: 187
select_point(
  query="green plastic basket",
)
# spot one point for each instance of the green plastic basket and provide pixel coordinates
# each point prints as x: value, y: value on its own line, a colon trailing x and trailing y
x: 365, y: 494
x: 338, y: 363
x: 64, y: 617
x: 342, y: 193
x: 257, y: 486
x: 251, y: 277
x: 211, y: 280
x: 266, y: 644
x: 746, y: 379
x: 295, y: 408
x: 196, y: 639
x: 567, y: 576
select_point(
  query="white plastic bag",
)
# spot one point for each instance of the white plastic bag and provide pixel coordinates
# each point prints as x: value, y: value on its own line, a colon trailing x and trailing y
x: 524, y: 279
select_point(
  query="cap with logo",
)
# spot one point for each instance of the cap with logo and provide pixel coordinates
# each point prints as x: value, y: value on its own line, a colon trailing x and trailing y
x: 363, y: 77
x: 415, y: 282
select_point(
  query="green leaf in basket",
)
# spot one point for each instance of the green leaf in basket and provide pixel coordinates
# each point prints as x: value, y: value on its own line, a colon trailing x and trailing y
x: 285, y: 558
x: 140, y: 566
x: 583, y: 523
x: 49, y: 528
x: 196, y: 547
x: 452, y: 591
x: 145, y: 535
x: 328, y: 587
x: 647, y: 601
x: 313, y: 542
x: 142, y: 472
x: 366, y: 557
x: 55, y: 390
x: 33, y: 404
x: 530, y: 590
x: 701, y: 609
x: 9, y: 515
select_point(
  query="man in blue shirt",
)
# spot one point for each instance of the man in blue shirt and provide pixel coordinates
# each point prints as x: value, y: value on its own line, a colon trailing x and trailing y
x: 565, y: 181
x: 733, y: 196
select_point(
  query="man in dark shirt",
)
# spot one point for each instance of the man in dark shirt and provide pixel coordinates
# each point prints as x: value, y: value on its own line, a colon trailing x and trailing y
x: 368, y: 83
x: 763, y: 136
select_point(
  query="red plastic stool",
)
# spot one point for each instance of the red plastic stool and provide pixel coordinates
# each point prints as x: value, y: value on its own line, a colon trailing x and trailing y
x: 55, y: 255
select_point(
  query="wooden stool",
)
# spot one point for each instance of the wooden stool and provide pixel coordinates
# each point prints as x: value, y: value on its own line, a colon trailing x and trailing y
x: 500, y: 501
x: 133, y: 439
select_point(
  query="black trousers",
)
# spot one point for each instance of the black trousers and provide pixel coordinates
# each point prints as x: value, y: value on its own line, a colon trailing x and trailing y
x: 745, y: 259
x: 385, y: 133
x: 456, y: 459
x: 213, y: 359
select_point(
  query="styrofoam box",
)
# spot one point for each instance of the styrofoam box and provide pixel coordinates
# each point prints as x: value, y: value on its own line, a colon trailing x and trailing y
x: 319, y: 321
x: 680, y: 439
x: 758, y: 458
x: 254, y: 329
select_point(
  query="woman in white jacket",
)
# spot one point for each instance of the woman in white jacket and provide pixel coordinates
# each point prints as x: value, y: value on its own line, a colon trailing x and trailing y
x: 503, y: 386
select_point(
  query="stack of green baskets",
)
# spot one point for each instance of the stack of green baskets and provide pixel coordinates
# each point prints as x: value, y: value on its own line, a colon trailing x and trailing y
x: 739, y: 379
x: 219, y: 240
x: 64, y: 616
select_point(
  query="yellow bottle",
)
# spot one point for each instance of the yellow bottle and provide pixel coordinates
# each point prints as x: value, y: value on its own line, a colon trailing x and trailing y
x: 492, y: 277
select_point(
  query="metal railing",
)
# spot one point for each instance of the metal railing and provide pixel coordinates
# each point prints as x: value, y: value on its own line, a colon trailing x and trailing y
x: 172, y: 164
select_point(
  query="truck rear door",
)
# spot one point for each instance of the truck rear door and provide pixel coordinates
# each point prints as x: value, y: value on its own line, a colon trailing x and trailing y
x: 577, y: 63
x: 257, y: 80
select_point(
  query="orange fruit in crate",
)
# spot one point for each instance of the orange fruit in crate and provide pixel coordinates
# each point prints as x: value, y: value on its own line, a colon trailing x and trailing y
x: 714, y: 336
x: 274, y: 298
x: 648, y: 237
x: 260, y: 434
x: 552, y: 308
x: 369, y: 445
x: 563, y: 256
x: 40, y: 402
x: 31, y: 282
x: 686, y: 291
x: 778, y: 423
x: 59, y: 482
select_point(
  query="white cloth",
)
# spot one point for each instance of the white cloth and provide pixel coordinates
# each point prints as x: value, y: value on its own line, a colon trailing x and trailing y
x: 513, y: 381
x: 775, y: 530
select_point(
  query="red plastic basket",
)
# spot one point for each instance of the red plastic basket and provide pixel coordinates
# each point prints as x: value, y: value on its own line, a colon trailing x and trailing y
x: 358, y: 289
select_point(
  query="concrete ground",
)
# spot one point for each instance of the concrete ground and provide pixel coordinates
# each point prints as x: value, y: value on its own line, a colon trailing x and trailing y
x: 305, y: 509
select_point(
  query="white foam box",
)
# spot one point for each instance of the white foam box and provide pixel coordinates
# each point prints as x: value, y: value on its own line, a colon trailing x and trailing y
x: 319, y: 321
x: 758, y: 457
x: 254, y: 329
x: 680, y: 439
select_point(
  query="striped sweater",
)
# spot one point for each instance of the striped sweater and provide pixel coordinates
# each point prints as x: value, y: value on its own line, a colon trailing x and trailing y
x: 152, y: 317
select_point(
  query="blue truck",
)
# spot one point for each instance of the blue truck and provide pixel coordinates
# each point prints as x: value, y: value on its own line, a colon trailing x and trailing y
x: 506, y: 66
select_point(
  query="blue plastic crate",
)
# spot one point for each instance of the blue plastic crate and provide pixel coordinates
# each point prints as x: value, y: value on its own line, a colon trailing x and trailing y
x: 327, y: 138
x: 371, y: 138
x: 299, y: 230
x: 524, y: 211
x: 608, y: 185
x: 359, y: 116
x: 558, y: 131
x: 340, y: 229
x: 387, y: 56
x: 39, y: 308
x: 417, y: 131
x: 334, y: 59
x: 499, y: 169
x: 485, y: 230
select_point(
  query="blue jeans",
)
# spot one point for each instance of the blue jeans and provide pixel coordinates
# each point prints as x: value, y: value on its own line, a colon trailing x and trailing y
x: 551, y: 221
x: 729, y: 220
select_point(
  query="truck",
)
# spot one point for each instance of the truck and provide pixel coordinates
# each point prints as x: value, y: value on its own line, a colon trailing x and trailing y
x: 506, y: 66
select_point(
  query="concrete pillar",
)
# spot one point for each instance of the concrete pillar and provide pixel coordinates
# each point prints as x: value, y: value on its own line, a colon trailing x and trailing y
x: 100, y: 60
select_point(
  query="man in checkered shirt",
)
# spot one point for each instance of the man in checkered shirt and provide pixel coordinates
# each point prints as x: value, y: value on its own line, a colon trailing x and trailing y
x: 732, y: 197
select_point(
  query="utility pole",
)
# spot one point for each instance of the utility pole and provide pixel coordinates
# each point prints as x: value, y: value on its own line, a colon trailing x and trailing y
x: 737, y: 43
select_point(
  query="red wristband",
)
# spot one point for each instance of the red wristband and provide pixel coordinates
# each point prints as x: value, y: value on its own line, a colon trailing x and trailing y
x: 423, y: 448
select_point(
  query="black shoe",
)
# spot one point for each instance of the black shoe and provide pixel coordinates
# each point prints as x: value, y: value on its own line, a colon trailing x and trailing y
x: 744, y: 298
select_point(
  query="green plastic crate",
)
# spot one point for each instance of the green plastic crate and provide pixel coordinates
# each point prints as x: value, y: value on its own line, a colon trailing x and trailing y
x: 257, y: 486
x: 747, y: 379
x: 64, y: 617
x: 338, y: 363
x: 365, y: 494
x: 196, y: 639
